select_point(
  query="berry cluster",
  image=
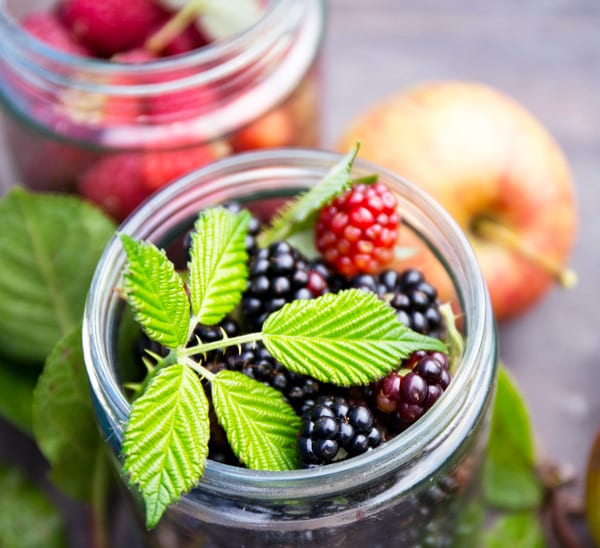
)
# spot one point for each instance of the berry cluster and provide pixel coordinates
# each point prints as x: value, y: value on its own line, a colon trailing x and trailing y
x: 408, y: 393
x: 278, y: 275
x: 334, y: 429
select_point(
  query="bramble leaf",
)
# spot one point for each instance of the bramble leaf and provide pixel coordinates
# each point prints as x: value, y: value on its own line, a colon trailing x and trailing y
x: 64, y: 425
x: 217, y: 268
x: 49, y: 247
x: 351, y: 337
x: 28, y: 519
x: 261, y: 427
x: 166, y: 439
x: 522, y: 529
x: 302, y: 212
x: 510, y: 479
x: 16, y: 394
x: 156, y: 293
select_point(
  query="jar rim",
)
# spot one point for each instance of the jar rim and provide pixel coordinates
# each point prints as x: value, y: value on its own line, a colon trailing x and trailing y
x: 476, y: 370
x: 220, y: 49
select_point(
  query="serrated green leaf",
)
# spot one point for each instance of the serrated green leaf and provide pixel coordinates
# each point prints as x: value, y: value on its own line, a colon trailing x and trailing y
x: 510, y: 478
x: 49, y: 247
x: 260, y: 426
x: 521, y: 529
x: 156, y: 293
x: 27, y: 518
x: 217, y: 268
x: 166, y: 439
x: 64, y: 425
x: 351, y: 337
x: 301, y: 213
x: 16, y: 394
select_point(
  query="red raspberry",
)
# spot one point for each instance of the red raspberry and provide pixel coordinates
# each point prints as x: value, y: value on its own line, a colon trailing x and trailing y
x: 118, y: 183
x: 110, y: 26
x: 47, y: 28
x: 357, y: 232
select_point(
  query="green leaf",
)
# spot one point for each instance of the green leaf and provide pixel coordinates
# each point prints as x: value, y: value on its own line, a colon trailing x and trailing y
x: 302, y: 212
x: 49, y: 247
x: 16, y: 394
x: 261, y: 427
x: 351, y: 337
x: 166, y: 439
x: 156, y: 293
x: 64, y: 424
x: 27, y: 518
x: 520, y: 529
x: 217, y: 267
x: 510, y: 478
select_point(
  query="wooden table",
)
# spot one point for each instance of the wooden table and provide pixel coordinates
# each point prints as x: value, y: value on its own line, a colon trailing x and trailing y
x: 546, y: 54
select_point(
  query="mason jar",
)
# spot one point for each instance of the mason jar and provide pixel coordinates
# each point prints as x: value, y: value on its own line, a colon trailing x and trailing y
x: 420, y: 488
x: 117, y: 130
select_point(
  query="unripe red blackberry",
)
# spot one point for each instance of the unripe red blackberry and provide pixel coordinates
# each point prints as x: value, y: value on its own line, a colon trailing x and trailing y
x: 358, y: 230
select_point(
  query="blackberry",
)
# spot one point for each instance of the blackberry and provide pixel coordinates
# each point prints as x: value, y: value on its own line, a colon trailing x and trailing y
x: 278, y: 275
x: 333, y: 429
x: 414, y: 299
x: 407, y: 394
x: 255, y: 361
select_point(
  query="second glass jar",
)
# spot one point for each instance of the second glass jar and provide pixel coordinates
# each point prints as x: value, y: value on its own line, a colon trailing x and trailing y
x: 117, y: 131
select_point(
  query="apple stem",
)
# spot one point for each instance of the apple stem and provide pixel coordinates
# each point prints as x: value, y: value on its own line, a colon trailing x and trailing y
x: 491, y: 230
x: 174, y: 26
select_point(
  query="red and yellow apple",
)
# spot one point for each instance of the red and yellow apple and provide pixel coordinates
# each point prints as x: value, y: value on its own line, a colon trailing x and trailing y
x: 494, y: 167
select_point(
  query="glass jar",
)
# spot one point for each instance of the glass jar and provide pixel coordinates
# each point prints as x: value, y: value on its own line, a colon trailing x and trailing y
x: 419, y: 488
x: 100, y: 127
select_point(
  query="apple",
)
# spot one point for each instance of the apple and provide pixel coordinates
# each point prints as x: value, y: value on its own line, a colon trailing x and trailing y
x: 494, y: 167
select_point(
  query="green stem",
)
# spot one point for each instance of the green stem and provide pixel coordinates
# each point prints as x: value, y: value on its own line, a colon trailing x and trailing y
x: 203, y: 348
x: 99, y: 499
x: 174, y: 26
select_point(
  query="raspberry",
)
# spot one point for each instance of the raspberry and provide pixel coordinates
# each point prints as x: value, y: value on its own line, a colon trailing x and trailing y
x: 47, y: 27
x: 407, y: 394
x: 333, y: 429
x: 118, y: 183
x: 109, y: 26
x: 278, y: 275
x: 414, y: 299
x: 357, y: 232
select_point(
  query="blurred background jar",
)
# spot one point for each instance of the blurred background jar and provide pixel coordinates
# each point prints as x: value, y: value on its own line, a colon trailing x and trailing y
x: 115, y: 127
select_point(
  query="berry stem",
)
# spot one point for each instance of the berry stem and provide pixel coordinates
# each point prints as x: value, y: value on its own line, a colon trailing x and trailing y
x: 174, y: 26
x: 491, y: 230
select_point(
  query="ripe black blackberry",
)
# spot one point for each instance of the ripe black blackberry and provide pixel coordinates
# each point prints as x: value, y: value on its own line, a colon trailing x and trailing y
x: 334, y: 429
x: 255, y: 361
x: 228, y: 327
x: 278, y: 275
x: 406, y: 395
x: 414, y: 299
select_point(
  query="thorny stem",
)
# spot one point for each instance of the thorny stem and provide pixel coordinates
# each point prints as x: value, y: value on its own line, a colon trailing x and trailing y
x: 203, y: 348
